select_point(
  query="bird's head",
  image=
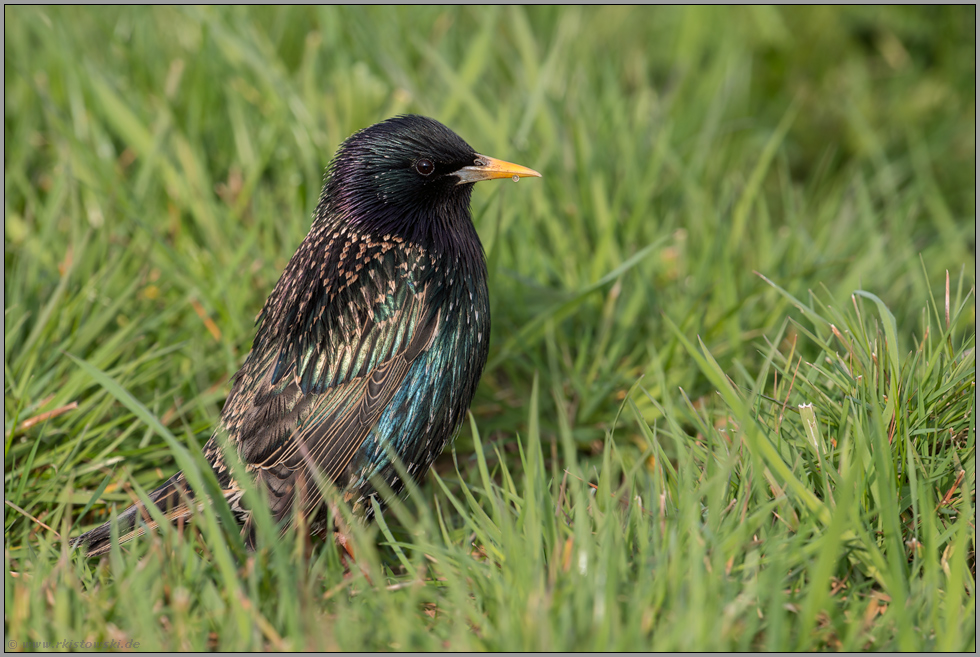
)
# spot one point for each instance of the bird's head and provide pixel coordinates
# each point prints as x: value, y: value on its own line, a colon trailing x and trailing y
x: 409, y: 176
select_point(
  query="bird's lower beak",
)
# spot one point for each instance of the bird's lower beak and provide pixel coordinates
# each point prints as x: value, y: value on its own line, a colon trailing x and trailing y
x: 488, y: 168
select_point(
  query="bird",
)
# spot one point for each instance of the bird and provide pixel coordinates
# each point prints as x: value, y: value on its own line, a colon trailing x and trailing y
x: 370, y: 347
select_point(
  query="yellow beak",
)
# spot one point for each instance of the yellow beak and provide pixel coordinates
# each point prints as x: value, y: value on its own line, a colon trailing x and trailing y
x: 488, y: 168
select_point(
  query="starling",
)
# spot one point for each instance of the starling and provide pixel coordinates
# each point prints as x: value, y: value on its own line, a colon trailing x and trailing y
x: 372, y: 343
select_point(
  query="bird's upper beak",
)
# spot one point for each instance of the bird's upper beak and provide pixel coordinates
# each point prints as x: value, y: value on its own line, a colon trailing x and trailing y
x: 488, y: 168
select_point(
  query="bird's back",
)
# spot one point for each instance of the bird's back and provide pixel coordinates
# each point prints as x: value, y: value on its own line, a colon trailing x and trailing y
x: 377, y: 358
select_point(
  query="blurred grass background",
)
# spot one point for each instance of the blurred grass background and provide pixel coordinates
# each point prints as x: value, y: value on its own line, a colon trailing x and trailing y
x: 161, y: 166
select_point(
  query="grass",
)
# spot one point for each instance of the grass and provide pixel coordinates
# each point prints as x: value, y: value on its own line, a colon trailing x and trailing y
x: 730, y: 398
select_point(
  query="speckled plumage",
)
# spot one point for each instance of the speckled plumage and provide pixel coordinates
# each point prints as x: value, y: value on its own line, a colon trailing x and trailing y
x: 372, y: 342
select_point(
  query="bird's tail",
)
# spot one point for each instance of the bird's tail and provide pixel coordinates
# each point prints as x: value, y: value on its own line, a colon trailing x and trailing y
x: 174, y: 499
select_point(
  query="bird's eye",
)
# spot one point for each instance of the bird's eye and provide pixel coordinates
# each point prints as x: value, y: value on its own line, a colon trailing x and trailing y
x: 425, y: 167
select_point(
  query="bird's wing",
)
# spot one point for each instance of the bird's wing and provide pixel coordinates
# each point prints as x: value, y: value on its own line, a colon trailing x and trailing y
x: 304, y: 403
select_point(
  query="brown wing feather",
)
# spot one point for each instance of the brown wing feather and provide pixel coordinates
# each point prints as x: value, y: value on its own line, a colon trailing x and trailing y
x: 330, y: 427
